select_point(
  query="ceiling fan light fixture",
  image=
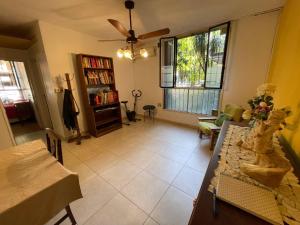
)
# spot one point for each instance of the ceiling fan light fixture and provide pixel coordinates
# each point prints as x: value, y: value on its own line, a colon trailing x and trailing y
x: 144, y: 53
x: 127, y: 54
x: 132, y: 39
x: 120, y: 53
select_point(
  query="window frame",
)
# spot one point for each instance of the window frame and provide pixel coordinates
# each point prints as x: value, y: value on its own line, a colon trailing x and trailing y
x: 206, y: 61
x: 175, y: 59
x: 224, y: 56
x: 204, y: 87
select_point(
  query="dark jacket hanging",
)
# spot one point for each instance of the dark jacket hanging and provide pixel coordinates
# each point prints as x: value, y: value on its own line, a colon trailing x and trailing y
x: 68, y: 113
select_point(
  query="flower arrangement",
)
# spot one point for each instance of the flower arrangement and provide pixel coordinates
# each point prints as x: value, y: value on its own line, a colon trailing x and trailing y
x: 262, y: 104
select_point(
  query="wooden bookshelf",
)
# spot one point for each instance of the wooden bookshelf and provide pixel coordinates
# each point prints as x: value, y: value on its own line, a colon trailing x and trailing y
x: 99, y: 94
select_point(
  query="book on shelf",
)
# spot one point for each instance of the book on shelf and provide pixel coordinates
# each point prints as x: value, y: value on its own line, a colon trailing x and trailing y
x: 103, y: 98
x: 96, y: 77
x: 95, y: 62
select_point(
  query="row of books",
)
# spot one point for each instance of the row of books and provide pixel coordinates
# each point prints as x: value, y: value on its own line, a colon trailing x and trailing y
x: 93, y: 62
x: 98, y: 77
x: 103, y: 98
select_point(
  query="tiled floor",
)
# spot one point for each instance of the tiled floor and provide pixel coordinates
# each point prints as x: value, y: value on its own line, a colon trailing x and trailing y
x: 24, y: 127
x: 30, y: 137
x: 146, y: 173
x: 27, y: 131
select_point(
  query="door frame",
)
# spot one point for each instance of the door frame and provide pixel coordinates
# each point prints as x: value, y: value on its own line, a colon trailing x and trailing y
x: 3, y: 114
x: 23, y: 56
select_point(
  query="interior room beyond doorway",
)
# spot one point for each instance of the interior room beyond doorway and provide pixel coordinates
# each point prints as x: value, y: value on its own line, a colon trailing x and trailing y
x: 18, y: 101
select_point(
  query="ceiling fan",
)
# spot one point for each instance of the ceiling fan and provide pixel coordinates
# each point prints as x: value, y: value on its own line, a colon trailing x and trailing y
x: 131, y: 38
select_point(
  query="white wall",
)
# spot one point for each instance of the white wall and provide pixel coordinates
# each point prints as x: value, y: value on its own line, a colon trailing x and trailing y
x: 61, y: 45
x: 247, y: 66
x: 249, y: 56
x: 40, y: 71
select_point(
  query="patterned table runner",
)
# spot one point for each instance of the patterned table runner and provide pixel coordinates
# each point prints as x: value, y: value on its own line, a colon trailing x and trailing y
x: 231, y: 156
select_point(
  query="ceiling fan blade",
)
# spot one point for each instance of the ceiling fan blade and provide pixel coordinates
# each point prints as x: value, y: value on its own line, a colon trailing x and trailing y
x: 108, y: 40
x: 139, y: 44
x: 119, y: 27
x: 154, y: 33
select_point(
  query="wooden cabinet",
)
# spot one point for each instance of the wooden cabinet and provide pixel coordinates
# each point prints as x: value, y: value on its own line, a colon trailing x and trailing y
x: 99, y: 94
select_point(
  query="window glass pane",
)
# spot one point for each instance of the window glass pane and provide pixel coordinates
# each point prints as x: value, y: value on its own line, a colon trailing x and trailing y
x: 200, y: 101
x: 14, y: 84
x: 167, y: 59
x: 176, y: 99
x: 216, y: 56
x: 203, y: 101
x: 7, y: 76
x: 21, y: 75
x: 191, y: 56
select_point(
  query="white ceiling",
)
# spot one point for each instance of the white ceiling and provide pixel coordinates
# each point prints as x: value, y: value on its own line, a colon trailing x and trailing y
x: 90, y: 16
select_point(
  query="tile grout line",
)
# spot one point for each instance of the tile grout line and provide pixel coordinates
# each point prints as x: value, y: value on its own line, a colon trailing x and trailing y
x: 169, y: 185
x: 118, y: 192
x: 143, y: 169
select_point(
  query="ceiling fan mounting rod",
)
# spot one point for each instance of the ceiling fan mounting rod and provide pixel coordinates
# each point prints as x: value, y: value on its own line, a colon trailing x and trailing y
x: 130, y: 21
x: 129, y: 4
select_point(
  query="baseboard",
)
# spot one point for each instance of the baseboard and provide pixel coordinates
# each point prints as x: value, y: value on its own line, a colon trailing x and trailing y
x: 66, y: 138
x: 173, y: 122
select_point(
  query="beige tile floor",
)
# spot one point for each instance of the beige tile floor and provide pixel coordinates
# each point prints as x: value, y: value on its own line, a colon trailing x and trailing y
x: 21, y: 139
x: 147, y: 173
x: 26, y: 131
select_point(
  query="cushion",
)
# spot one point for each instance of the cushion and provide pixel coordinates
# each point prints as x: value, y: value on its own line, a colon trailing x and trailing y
x: 206, y: 127
x: 234, y: 111
x: 222, y: 117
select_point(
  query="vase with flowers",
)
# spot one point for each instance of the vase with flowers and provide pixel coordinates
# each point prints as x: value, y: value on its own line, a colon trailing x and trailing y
x: 260, y: 105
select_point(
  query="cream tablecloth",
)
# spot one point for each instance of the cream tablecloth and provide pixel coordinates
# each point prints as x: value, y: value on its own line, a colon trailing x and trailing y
x: 34, y: 187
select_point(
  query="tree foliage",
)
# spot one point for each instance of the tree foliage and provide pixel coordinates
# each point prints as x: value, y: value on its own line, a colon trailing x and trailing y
x: 191, y: 53
x: 191, y: 58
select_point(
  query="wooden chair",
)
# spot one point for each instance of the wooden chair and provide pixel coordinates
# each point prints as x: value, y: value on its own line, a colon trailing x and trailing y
x: 211, y: 125
x: 54, y: 147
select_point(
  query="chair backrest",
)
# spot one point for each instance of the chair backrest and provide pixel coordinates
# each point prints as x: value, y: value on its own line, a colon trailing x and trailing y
x: 54, y: 144
x: 234, y: 111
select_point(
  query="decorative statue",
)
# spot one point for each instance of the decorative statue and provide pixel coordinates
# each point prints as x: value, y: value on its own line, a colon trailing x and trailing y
x: 269, y: 168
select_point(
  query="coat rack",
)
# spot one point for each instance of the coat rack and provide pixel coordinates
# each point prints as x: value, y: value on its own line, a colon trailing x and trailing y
x: 78, y: 137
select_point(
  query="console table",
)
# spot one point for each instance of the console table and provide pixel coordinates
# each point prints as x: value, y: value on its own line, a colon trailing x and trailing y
x: 226, y: 213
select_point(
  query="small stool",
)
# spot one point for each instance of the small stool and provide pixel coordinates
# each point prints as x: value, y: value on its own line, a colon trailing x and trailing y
x: 150, y: 110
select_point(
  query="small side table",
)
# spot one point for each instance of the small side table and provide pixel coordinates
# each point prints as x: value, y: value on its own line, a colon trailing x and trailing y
x: 150, y: 110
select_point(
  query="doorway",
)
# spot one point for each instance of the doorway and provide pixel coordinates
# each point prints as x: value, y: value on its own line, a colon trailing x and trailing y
x: 19, y: 103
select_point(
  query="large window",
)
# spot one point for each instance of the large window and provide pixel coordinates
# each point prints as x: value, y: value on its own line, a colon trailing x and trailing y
x: 199, y: 60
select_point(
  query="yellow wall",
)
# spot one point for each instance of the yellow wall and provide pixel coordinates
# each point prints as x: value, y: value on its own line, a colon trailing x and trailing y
x: 285, y: 69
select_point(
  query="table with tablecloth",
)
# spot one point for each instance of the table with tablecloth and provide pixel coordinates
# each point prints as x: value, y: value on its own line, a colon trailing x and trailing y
x: 34, y: 186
